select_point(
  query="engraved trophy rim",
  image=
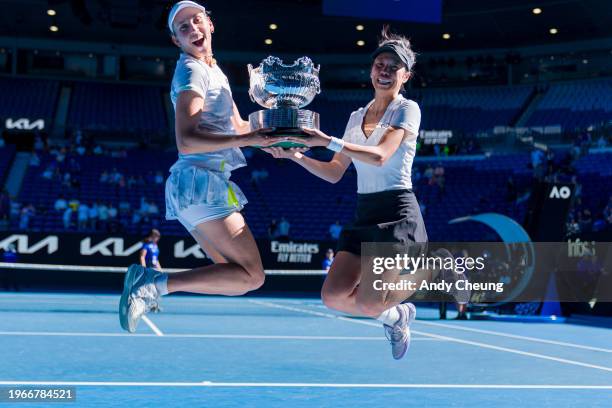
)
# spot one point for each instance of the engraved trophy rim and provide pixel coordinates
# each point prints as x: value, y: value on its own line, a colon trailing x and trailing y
x: 262, y: 76
x: 271, y: 61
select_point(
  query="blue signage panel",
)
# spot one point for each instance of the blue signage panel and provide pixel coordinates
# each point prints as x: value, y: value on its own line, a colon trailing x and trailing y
x: 421, y: 11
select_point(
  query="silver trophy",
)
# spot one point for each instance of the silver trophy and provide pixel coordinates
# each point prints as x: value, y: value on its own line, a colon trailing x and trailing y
x: 284, y: 90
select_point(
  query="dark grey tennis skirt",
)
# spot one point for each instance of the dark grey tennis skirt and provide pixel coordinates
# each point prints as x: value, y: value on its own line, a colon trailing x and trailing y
x: 386, y: 216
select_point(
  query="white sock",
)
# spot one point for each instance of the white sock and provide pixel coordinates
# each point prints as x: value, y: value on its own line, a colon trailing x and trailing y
x: 161, y: 284
x: 389, y: 316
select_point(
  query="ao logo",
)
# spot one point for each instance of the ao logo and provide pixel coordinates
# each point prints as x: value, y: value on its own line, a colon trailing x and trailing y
x: 563, y: 192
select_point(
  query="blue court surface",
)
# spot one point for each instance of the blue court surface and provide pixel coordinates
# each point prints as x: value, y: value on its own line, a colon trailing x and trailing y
x: 255, y: 351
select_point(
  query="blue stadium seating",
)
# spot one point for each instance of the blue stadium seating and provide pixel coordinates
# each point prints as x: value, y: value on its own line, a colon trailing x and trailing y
x: 472, y: 109
x: 114, y: 107
x: 29, y: 98
x: 309, y: 203
x: 575, y: 105
x: 43, y: 193
x: 7, y: 153
x: 596, y: 179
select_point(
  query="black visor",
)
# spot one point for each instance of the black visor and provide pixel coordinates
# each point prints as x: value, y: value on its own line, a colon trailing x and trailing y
x: 397, y: 49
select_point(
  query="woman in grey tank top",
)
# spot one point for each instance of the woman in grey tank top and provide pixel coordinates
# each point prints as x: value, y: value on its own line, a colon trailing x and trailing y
x: 209, y: 134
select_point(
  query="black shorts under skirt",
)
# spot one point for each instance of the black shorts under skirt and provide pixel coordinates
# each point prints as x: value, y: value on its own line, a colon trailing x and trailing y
x: 386, y: 216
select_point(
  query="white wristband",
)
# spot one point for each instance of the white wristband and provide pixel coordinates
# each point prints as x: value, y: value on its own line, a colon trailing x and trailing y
x: 336, y: 144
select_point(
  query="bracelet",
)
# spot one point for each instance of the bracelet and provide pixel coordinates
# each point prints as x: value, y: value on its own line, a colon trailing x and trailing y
x: 336, y: 144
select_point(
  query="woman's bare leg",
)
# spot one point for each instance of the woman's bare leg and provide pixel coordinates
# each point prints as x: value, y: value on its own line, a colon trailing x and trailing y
x: 340, y: 287
x: 373, y: 302
x: 230, y: 240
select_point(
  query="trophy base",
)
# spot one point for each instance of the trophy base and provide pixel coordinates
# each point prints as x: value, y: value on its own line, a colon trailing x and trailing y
x: 287, y: 122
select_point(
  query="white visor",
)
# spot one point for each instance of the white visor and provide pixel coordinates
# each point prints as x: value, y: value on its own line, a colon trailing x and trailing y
x: 178, y: 7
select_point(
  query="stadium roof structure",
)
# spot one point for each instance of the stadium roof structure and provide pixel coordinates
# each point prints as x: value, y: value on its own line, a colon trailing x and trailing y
x: 243, y: 25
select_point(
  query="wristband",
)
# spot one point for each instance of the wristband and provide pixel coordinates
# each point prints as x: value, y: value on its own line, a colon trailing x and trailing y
x: 336, y: 145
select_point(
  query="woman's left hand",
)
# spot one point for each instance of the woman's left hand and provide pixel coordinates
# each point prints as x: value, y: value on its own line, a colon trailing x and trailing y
x: 315, y: 138
x: 280, y: 153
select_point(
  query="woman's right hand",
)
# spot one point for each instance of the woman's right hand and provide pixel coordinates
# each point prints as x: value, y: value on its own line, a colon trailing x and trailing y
x: 280, y: 153
x: 260, y: 137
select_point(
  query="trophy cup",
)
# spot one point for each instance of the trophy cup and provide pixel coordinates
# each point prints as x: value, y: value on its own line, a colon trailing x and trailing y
x: 284, y: 90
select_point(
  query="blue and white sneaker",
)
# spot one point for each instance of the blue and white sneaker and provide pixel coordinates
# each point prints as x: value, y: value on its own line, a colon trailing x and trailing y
x: 399, y: 333
x: 139, y: 296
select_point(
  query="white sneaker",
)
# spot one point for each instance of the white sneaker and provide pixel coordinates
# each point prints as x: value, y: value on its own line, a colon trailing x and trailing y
x: 399, y: 333
x: 139, y: 296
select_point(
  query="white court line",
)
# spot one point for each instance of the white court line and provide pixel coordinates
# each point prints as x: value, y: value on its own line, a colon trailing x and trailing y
x: 204, y: 336
x: 300, y: 385
x: 515, y: 336
x: 453, y: 339
x: 152, y: 325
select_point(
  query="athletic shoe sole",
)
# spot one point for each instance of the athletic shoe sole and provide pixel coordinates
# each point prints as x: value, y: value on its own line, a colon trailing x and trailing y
x: 128, y: 284
x: 409, y: 319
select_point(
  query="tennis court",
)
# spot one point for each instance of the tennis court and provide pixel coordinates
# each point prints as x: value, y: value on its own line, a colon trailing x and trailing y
x: 262, y: 351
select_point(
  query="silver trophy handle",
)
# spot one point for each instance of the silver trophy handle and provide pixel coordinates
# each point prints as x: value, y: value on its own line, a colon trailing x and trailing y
x: 250, y: 68
x: 318, y: 82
